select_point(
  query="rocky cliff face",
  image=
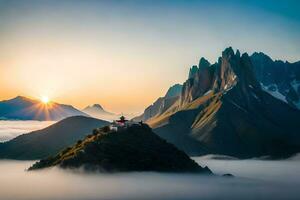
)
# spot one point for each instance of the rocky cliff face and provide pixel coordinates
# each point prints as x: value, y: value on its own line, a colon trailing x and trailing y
x: 161, y: 104
x: 245, y: 121
x: 174, y: 91
x: 199, y: 82
x: 224, y: 109
x: 281, y: 79
x: 193, y: 71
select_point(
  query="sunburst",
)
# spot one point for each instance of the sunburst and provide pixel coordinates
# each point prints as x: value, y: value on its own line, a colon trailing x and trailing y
x: 45, y: 99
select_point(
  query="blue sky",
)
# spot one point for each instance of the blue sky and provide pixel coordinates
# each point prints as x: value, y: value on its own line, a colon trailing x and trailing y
x: 149, y: 45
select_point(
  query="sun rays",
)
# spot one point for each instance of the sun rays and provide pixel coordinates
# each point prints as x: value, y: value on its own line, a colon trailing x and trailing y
x: 45, y: 99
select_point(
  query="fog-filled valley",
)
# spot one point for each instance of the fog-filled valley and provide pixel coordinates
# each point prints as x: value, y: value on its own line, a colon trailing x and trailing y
x: 254, y: 179
x: 149, y: 100
x: 11, y: 129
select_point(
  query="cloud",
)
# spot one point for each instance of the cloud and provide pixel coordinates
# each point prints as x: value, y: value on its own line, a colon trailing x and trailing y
x: 11, y: 129
x: 59, y: 184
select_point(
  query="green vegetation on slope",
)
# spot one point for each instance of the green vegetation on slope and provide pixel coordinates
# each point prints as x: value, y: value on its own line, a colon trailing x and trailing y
x: 135, y: 148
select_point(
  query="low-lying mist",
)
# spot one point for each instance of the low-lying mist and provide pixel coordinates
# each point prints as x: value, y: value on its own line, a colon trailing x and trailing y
x: 11, y: 129
x: 254, y: 180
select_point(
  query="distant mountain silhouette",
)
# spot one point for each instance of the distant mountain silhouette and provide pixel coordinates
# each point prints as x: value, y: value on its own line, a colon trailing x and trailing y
x: 48, y: 141
x: 98, y: 111
x: 23, y: 108
x: 135, y: 148
x: 223, y: 109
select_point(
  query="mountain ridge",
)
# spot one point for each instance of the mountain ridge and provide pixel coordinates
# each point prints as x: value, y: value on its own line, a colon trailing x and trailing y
x: 161, y: 104
x: 97, y: 111
x: 24, y: 108
x: 231, y: 115
x: 42, y: 143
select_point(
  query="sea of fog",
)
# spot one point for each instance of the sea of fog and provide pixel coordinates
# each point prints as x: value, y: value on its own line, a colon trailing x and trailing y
x: 11, y: 129
x: 254, y: 180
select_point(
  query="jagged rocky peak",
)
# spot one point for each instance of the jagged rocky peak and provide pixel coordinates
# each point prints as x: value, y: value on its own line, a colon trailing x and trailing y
x: 260, y: 56
x: 193, y: 71
x: 199, y: 82
x: 161, y: 104
x: 248, y: 71
x: 237, y: 71
x: 220, y: 76
x: 237, y: 117
x: 228, y: 53
x: 279, y: 78
x: 238, y: 53
x: 203, y: 63
x: 224, y: 76
x: 240, y: 67
x: 174, y: 91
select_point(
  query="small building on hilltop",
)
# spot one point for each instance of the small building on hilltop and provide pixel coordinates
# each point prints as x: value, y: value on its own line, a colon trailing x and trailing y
x: 121, y: 123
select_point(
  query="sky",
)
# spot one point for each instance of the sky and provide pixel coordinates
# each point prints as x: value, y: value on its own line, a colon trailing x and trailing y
x: 125, y: 54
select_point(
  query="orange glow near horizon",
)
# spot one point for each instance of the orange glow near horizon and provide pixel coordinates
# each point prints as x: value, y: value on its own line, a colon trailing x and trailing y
x: 45, y: 99
x: 44, y: 110
x: 72, y: 53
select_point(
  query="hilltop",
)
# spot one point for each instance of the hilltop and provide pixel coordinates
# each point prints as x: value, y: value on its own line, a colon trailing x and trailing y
x: 135, y: 148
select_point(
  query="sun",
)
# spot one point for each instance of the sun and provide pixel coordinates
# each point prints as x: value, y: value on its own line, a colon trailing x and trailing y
x: 45, y: 99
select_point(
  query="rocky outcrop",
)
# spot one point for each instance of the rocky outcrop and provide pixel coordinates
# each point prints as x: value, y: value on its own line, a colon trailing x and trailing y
x: 224, y: 77
x: 237, y: 118
x: 193, y: 71
x: 278, y: 77
x: 174, y: 91
x: 199, y: 82
x: 161, y: 104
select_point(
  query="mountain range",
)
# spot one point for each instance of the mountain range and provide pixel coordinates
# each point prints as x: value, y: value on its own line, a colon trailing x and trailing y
x: 279, y: 78
x: 98, y: 111
x: 23, y: 108
x: 50, y: 140
x: 161, y: 104
x: 231, y: 107
x: 241, y: 106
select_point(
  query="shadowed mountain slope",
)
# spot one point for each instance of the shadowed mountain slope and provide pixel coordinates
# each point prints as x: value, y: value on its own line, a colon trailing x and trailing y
x: 135, y: 148
x: 22, y: 108
x: 279, y: 78
x: 229, y: 113
x: 48, y: 141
